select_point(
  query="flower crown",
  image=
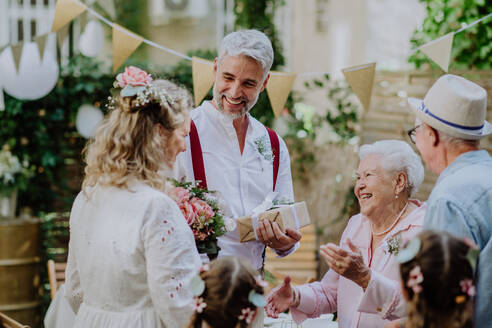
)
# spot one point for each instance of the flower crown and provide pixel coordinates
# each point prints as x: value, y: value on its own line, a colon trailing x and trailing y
x: 416, y: 277
x: 197, y: 287
x: 135, y: 82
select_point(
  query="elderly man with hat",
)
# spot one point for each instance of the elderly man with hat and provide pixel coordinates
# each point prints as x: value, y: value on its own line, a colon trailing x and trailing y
x: 450, y: 123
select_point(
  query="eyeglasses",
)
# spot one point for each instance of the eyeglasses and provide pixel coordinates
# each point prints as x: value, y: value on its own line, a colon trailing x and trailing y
x: 412, y: 132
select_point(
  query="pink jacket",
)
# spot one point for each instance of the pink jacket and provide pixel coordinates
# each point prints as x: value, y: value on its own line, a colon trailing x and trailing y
x: 382, y: 301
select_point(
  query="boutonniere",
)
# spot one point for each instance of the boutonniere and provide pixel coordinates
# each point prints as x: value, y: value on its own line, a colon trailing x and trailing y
x: 262, y: 146
x: 393, y: 244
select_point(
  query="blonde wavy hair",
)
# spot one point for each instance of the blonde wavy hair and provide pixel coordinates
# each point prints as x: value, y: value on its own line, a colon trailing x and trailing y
x: 128, y: 145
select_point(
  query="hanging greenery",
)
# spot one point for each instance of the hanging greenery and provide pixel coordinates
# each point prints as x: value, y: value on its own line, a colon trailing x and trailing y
x: 337, y: 123
x: 472, y: 48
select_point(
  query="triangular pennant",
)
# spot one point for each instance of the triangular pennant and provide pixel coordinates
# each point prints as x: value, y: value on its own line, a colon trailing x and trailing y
x: 108, y: 6
x: 361, y: 80
x: 124, y: 44
x: 83, y: 20
x: 65, y: 12
x: 61, y: 35
x: 203, y: 78
x: 278, y: 89
x: 41, y: 42
x: 17, y: 54
x: 439, y: 50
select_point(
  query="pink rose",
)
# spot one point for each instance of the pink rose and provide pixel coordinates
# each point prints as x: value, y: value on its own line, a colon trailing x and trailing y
x: 202, y: 208
x: 133, y: 76
x: 180, y: 195
x: 188, y: 212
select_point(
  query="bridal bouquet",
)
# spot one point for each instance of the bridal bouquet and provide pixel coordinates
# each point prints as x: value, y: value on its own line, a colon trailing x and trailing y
x: 205, y: 213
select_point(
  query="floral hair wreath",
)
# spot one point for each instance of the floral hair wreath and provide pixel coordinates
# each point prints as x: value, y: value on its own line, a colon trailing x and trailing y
x: 197, y: 287
x: 137, y: 82
x: 415, y: 277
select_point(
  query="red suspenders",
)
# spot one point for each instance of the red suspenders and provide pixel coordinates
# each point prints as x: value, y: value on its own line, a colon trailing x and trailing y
x: 197, y: 156
x: 276, y: 154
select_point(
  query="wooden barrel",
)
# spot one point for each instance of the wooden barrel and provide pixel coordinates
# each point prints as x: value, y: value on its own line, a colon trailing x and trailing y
x: 20, y: 270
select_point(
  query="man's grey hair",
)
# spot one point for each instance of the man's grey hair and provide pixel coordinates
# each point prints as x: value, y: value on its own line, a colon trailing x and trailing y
x: 449, y: 140
x: 251, y: 43
x: 453, y: 142
x: 397, y: 156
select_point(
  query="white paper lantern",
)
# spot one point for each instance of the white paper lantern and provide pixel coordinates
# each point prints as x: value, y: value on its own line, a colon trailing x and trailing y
x: 35, y: 78
x: 88, y: 119
x: 92, y: 40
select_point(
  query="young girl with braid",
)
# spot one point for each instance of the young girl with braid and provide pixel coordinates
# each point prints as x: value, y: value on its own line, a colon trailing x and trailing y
x: 228, y: 294
x: 437, y: 281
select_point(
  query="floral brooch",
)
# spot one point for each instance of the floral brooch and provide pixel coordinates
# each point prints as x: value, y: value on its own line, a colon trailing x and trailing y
x: 262, y: 146
x: 393, y: 244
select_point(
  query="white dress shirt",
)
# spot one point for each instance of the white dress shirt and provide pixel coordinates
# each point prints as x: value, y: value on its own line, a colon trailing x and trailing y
x: 243, y: 180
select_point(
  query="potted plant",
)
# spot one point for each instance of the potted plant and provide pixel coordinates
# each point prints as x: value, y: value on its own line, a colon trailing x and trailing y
x: 14, y: 175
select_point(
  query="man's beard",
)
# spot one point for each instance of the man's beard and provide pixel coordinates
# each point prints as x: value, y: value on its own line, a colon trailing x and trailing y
x: 244, y: 110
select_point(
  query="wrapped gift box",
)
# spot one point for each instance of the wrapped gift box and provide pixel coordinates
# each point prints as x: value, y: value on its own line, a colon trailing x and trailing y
x: 283, y: 215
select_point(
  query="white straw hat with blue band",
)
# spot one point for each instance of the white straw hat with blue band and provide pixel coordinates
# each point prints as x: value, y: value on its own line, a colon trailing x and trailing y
x: 454, y: 106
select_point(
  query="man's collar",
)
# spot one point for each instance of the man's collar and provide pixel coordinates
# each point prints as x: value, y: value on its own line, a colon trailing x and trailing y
x: 469, y: 157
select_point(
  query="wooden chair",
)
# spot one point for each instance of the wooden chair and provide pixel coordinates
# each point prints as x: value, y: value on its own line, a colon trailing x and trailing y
x: 7, y: 322
x: 56, y: 275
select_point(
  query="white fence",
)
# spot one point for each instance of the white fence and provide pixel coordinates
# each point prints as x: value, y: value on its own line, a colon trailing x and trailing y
x: 22, y: 20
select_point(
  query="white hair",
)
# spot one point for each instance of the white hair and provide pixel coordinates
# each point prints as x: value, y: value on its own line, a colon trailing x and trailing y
x: 251, y: 43
x: 454, y: 142
x: 397, y: 156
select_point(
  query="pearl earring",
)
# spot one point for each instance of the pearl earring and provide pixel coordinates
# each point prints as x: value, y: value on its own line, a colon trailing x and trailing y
x: 396, y: 196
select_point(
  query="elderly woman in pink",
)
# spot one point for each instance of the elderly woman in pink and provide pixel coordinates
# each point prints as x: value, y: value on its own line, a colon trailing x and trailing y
x: 362, y: 284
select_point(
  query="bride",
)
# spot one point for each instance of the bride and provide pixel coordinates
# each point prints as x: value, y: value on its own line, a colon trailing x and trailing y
x: 131, y: 253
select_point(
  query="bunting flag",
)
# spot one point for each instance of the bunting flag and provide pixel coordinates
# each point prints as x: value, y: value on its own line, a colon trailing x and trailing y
x: 124, y: 44
x: 439, y: 50
x: 278, y: 89
x: 83, y: 20
x: 65, y: 12
x: 17, y: 54
x: 61, y: 35
x: 108, y: 6
x: 361, y: 79
x: 203, y: 78
x: 41, y: 43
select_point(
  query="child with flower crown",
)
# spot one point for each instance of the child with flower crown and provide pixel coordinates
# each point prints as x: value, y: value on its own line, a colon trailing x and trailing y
x: 228, y: 294
x: 437, y: 281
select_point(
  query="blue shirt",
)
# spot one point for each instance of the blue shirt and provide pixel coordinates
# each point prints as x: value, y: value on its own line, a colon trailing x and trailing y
x: 461, y: 203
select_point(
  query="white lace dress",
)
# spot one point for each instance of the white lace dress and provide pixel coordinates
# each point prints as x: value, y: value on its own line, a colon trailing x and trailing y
x: 131, y: 256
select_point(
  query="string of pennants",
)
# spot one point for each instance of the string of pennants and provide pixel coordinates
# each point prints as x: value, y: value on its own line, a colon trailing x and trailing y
x: 125, y: 42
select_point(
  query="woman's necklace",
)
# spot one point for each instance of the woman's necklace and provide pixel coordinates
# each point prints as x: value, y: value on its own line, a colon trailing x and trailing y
x: 392, y: 225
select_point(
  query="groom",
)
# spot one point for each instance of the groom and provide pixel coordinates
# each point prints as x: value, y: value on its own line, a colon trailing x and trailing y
x: 233, y: 153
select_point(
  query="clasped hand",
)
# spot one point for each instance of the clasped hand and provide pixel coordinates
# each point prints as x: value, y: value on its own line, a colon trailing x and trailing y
x: 349, y: 264
x: 270, y: 234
